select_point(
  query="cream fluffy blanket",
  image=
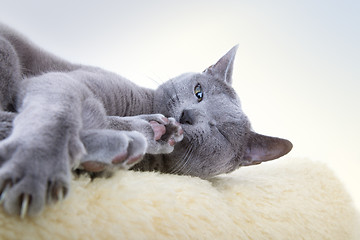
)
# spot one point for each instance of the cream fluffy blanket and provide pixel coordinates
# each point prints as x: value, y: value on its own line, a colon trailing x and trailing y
x: 283, y: 199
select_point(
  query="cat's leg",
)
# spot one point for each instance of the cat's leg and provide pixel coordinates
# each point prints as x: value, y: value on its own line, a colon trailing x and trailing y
x: 106, y: 149
x: 10, y: 75
x: 161, y: 133
x: 44, y: 143
x: 111, y: 149
x: 126, y: 143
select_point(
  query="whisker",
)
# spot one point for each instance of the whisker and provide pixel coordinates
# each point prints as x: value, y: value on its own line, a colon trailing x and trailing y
x: 223, y: 134
x: 153, y: 80
x: 186, y: 158
x: 157, y: 82
x: 178, y: 165
x: 183, y: 161
x: 176, y: 94
x: 186, y: 162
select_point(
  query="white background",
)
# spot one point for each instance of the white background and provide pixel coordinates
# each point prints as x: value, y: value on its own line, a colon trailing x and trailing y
x: 297, y: 69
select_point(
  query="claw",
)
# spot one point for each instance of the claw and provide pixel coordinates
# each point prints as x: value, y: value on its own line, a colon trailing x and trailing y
x: 4, y: 192
x: 60, y: 194
x: 24, y: 206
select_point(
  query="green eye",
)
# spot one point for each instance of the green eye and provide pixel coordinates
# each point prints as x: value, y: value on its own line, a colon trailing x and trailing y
x: 198, y: 92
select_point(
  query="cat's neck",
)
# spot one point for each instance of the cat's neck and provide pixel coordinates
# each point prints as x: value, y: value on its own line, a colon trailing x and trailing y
x: 139, y: 101
x: 119, y: 96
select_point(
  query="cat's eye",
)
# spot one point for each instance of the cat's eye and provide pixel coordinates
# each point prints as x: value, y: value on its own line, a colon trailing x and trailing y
x: 198, y: 92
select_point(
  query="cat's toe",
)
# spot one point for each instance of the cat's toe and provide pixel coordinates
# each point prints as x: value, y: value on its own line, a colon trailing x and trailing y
x: 57, y: 190
x: 4, y: 190
x: 76, y: 149
x: 159, y: 129
x: 23, y: 198
x: 135, y: 151
x: 175, y: 130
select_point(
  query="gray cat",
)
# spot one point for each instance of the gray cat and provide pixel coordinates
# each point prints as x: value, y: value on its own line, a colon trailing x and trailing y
x: 57, y: 116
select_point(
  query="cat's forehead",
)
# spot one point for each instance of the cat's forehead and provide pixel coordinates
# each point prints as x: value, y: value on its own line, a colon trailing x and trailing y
x: 210, y: 84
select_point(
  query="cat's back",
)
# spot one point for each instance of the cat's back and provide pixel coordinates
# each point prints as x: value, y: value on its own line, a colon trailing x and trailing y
x: 17, y: 40
x: 33, y: 60
x: 6, y: 31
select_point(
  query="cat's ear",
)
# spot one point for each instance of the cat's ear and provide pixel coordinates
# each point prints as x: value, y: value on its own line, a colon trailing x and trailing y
x: 262, y: 148
x: 223, y: 69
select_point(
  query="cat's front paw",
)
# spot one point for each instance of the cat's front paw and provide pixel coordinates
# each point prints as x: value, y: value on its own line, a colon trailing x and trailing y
x: 29, y: 179
x: 110, y: 149
x: 167, y: 132
x: 161, y: 133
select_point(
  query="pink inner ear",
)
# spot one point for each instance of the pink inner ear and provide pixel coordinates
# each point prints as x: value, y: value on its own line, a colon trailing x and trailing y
x: 264, y: 148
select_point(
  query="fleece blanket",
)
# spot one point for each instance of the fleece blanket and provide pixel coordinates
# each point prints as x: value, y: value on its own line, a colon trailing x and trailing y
x: 283, y: 199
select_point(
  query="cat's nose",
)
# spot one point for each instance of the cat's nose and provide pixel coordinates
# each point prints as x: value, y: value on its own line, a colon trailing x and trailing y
x: 188, y: 116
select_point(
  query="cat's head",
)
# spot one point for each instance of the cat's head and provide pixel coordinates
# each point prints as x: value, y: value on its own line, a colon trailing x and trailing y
x: 218, y: 137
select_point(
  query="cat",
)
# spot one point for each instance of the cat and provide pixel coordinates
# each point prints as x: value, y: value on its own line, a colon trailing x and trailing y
x: 56, y: 116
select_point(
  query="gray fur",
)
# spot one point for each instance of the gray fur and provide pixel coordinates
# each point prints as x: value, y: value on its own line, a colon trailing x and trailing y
x: 59, y: 116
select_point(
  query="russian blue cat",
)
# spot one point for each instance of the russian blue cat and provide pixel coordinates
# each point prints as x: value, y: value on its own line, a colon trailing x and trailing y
x: 57, y: 116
